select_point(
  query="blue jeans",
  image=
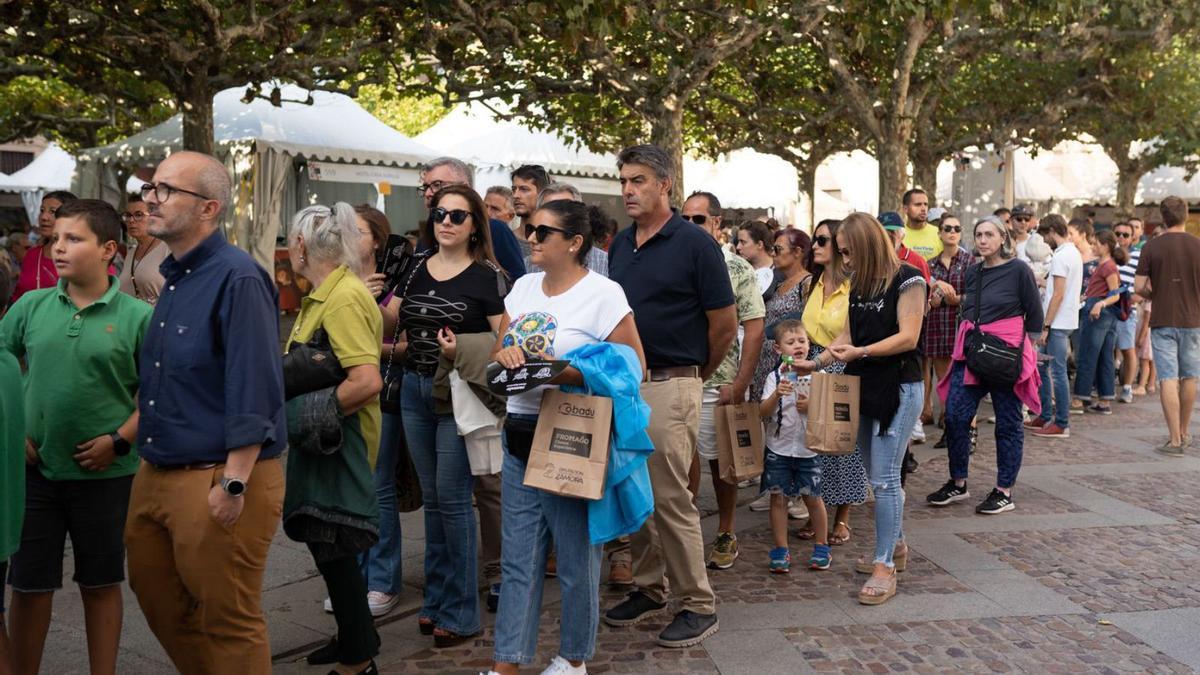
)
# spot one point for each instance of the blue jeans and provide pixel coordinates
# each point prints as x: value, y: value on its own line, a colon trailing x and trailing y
x: 882, y: 457
x: 961, y: 406
x: 440, y: 457
x: 532, y: 520
x: 381, y: 564
x: 1094, y: 361
x: 1055, y: 390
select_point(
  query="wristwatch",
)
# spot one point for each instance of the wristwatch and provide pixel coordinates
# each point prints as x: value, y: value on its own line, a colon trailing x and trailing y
x: 234, y: 487
x: 121, y: 447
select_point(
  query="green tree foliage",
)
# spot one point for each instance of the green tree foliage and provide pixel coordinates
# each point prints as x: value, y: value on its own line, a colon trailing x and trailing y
x: 32, y: 105
x: 410, y: 115
x: 195, y: 48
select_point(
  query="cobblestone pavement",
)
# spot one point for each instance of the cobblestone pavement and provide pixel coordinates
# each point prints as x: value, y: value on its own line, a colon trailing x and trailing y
x: 1092, y: 573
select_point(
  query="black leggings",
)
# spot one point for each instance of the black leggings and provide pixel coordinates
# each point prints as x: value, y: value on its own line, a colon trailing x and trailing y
x: 357, y: 640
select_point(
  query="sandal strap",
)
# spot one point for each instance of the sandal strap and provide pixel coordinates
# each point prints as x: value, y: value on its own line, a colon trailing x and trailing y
x: 874, y: 583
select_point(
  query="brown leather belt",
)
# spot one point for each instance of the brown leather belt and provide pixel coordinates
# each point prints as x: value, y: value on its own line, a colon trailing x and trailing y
x: 664, y: 374
x: 198, y: 466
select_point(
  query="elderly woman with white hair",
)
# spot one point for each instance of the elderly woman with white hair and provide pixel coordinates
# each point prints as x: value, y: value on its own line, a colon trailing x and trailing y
x: 334, y: 432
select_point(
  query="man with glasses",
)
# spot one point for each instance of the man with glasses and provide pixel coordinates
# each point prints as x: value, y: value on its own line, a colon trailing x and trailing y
x: 140, y: 276
x: 445, y: 171
x: 1019, y: 226
x: 732, y: 378
x: 1127, y: 329
x: 675, y: 279
x: 207, y: 498
x: 1060, y: 307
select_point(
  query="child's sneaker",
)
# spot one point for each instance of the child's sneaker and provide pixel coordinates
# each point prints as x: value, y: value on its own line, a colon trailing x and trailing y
x: 781, y: 561
x: 821, y: 557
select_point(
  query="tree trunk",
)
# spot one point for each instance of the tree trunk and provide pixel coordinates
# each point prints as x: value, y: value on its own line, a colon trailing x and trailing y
x: 196, y: 102
x: 1128, y: 175
x: 810, y: 177
x: 892, y: 156
x: 925, y: 166
x: 666, y: 131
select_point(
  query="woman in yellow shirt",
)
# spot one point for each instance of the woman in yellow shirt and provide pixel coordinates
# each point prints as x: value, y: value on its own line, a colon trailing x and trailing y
x: 843, y: 477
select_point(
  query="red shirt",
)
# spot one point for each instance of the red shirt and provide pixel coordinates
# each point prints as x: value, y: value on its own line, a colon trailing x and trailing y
x: 37, y: 271
x: 907, y: 256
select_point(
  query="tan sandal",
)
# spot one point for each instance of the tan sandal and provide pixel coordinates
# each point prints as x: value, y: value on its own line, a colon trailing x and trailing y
x: 899, y: 559
x: 878, y: 591
x: 835, y: 540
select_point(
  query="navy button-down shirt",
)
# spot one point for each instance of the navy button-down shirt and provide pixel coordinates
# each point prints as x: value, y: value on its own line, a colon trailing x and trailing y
x: 670, y: 282
x: 211, y: 369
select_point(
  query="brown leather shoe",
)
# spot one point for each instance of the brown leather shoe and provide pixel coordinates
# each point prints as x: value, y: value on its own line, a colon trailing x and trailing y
x: 620, y: 573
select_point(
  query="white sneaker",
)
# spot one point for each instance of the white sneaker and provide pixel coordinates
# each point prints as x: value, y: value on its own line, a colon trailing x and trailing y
x: 381, y: 603
x: 749, y: 482
x: 918, y: 432
x: 797, y: 510
x: 561, y: 666
x: 328, y: 606
x: 763, y: 503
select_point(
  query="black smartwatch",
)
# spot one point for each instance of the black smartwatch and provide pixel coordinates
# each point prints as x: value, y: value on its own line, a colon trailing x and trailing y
x: 121, y: 447
x: 234, y: 487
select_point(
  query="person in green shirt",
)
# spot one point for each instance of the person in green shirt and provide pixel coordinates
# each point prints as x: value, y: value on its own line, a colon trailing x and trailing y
x: 80, y: 342
x: 12, y: 475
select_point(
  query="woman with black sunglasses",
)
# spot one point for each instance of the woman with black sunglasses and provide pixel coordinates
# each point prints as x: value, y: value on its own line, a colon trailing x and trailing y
x: 456, y: 289
x: 549, y: 314
x: 948, y: 271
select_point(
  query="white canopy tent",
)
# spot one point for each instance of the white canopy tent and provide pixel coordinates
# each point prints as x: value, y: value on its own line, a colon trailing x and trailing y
x: 279, y: 157
x: 51, y: 170
x: 496, y: 147
x: 747, y: 179
x: 1166, y: 181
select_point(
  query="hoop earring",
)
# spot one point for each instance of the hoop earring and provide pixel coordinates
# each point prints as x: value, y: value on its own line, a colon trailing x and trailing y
x: 474, y: 239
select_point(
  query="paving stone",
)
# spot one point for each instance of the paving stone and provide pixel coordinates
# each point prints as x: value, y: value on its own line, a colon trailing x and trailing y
x: 1174, y: 495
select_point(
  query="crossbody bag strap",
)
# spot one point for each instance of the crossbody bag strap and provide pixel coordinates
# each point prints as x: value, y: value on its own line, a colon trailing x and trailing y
x: 387, y: 369
x: 978, y: 296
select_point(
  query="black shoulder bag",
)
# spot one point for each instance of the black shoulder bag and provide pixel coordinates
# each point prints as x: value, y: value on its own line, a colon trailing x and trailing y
x: 991, y: 359
x: 311, y: 366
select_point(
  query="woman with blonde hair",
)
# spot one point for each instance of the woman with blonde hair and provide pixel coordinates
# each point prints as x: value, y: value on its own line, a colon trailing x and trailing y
x: 879, y: 344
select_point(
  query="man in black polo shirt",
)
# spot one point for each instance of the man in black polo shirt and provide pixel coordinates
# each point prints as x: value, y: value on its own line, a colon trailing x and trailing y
x: 674, y: 276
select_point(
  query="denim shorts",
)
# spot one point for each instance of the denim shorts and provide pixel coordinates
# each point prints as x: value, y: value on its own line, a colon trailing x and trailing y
x: 1176, y: 352
x: 1127, y: 331
x: 791, y: 476
x: 91, y: 512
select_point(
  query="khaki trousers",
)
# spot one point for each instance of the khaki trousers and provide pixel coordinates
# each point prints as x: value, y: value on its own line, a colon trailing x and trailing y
x: 198, y: 583
x: 670, y: 542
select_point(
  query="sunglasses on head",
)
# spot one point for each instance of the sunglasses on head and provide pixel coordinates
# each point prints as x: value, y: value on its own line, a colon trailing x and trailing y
x: 540, y: 232
x: 821, y: 240
x: 952, y: 228
x: 457, y: 216
x: 699, y: 220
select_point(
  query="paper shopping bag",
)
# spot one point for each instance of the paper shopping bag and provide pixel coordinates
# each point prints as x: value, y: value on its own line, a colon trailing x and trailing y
x: 569, y: 454
x: 739, y: 442
x: 832, y: 414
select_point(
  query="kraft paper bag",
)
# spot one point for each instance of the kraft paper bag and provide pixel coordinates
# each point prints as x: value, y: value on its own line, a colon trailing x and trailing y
x: 569, y: 454
x: 739, y: 442
x: 832, y: 414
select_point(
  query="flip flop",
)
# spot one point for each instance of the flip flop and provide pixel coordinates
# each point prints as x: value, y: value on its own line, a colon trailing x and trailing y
x: 835, y: 540
x: 806, y: 532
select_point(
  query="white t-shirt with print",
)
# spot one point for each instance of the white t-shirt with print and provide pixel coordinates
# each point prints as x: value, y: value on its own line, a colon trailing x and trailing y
x: 764, y: 276
x: 784, y: 434
x: 1066, y: 266
x: 551, y: 327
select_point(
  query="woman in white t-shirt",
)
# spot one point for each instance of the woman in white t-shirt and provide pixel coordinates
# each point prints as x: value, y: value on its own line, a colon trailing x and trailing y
x: 547, y: 315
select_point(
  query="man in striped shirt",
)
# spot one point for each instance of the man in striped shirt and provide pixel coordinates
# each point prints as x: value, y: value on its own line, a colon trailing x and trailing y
x: 1127, y: 329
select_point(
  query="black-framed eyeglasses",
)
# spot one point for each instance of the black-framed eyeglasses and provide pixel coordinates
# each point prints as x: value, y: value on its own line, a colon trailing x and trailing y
x: 436, y: 186
x: 162, y: 192
x: 540, y: 232
x: 136, y: 216
x: 822, y: 240
x: 952, y: 228
x: 457, y: 216
x: 699, y: 219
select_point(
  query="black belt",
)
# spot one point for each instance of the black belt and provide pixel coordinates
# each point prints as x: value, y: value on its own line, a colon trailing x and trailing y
x: 664, y: 374
x: 195, y: 466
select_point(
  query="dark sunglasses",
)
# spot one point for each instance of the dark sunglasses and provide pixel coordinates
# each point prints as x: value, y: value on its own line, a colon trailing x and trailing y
x: 952, y: 228
x: 845, y: 252
x: 1022, y: 219
x: 457, y: 216
x: 699, y: 220
x: 540, y: 232
x: 779, y: 250
x: 1123, y: 235
x: 821, y: 240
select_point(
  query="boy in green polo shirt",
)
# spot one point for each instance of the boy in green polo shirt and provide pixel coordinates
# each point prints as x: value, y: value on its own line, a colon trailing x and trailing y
x: 80, y: 342
x: 12, y: 475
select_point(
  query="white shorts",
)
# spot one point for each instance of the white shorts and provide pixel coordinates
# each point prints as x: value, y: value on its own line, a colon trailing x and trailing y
x: 706, y: 440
